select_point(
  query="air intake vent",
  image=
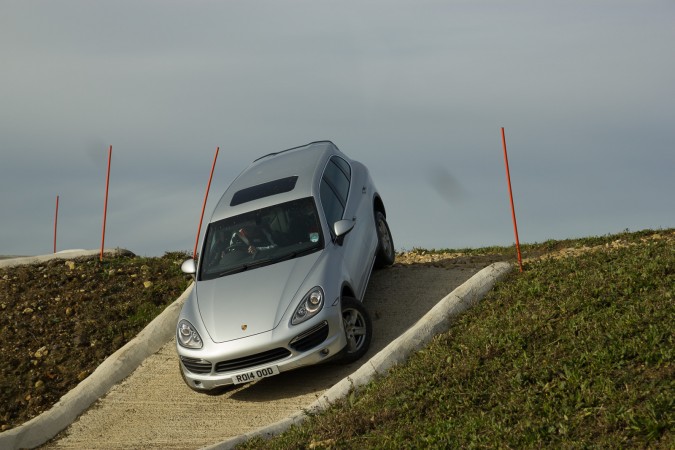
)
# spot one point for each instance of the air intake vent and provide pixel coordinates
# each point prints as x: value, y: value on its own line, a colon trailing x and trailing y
x: 196, y: 365
x: 253, y: 360
x: 311, y: 338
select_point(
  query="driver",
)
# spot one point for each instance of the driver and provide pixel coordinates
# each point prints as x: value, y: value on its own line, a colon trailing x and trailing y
x: 255, y: 237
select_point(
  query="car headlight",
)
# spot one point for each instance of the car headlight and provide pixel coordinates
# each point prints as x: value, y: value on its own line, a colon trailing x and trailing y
x: 310, y: 305
x: 187, y: 335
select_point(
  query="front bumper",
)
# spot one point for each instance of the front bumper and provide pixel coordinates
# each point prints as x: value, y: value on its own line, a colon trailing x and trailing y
x: 312, y: 346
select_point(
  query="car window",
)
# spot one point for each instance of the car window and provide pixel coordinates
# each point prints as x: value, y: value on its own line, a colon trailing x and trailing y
x: 343, y: 165
x: 337, y: 178
x: 335, y: 189
x: 332, y: 206
x: 260, y: 237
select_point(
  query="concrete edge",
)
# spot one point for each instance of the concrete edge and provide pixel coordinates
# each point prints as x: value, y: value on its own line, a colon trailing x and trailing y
x: 114, y: 369
x: 65, y: 254
x: 436, y: 321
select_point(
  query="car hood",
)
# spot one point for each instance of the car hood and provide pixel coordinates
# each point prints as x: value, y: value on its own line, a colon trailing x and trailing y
x: 254, y: 301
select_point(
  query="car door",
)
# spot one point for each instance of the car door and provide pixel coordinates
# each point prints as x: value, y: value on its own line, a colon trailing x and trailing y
x: 362, y: 239
x: 343, y: 199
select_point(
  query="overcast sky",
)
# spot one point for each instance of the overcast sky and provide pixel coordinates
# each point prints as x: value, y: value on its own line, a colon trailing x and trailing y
x: 416, y: 90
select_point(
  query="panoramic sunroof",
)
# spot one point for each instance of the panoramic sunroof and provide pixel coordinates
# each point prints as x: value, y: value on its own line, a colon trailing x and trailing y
x: 264, y: 190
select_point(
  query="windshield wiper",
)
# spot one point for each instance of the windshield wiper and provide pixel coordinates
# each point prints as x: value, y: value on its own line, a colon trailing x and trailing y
x: 231, y: 271
x: 245, y: 267
x: 295, y: 254
x: 306, y: 251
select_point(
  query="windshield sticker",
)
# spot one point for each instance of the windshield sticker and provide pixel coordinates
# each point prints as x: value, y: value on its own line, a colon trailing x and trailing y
x: 314, y: 237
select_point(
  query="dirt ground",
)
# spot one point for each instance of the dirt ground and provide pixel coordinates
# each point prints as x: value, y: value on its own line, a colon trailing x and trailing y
x: 60, y: 319
x: 153, y: 408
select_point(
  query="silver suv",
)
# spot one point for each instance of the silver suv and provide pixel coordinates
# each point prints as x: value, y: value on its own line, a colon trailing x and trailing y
x: 283, y: 269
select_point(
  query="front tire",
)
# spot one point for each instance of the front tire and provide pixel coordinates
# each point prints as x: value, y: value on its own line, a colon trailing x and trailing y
x: 358, y: 330
x: 385, y: 243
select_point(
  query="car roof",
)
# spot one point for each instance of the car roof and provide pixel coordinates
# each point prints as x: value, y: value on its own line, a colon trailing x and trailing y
x: 305, y: 162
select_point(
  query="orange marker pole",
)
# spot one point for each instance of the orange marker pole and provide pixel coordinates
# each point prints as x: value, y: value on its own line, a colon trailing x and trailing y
x: 513, y: 210
x: 56, y: 221
x: 206, y: 196
x: 105, y: 205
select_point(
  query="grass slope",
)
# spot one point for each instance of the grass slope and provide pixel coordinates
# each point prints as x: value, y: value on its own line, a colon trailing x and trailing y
x: 576, y: 352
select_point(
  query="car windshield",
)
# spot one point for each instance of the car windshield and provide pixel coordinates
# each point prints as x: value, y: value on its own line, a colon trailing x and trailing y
x: 262, y: 237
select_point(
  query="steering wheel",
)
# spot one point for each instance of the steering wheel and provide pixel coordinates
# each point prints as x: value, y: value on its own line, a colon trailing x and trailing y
x: 237, y: 247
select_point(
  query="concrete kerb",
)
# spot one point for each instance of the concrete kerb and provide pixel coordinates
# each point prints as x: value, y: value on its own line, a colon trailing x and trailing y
x: 114, y: 369
x: 65, y: 254
x: 436, y: 321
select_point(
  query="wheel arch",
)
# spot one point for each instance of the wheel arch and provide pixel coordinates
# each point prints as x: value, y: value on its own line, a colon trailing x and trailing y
x: 378, y: 205
x: 347, y: 291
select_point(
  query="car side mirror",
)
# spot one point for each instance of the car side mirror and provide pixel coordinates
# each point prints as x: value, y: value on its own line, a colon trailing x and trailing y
x: 341, y: 228
x: 189, y: 267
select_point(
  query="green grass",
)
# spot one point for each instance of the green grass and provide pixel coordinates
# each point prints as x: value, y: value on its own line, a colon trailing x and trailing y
x: 575, y: 352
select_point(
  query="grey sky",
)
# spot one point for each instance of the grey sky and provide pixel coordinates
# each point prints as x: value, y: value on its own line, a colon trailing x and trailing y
x: 416, y: 90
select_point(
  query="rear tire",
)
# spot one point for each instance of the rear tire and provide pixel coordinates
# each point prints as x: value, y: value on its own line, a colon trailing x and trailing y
x: 385, y: 243
x: 358, y: 330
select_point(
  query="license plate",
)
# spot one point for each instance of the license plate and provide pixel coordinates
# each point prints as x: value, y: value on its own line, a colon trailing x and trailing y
x: 256, y: 374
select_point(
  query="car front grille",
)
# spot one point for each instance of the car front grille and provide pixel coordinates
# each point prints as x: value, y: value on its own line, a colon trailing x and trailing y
x: 252, y: 360
x: 196, y: 365
x: 310, y: 338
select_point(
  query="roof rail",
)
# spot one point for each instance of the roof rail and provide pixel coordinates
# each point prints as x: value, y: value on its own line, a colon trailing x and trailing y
x: 289, y: 149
